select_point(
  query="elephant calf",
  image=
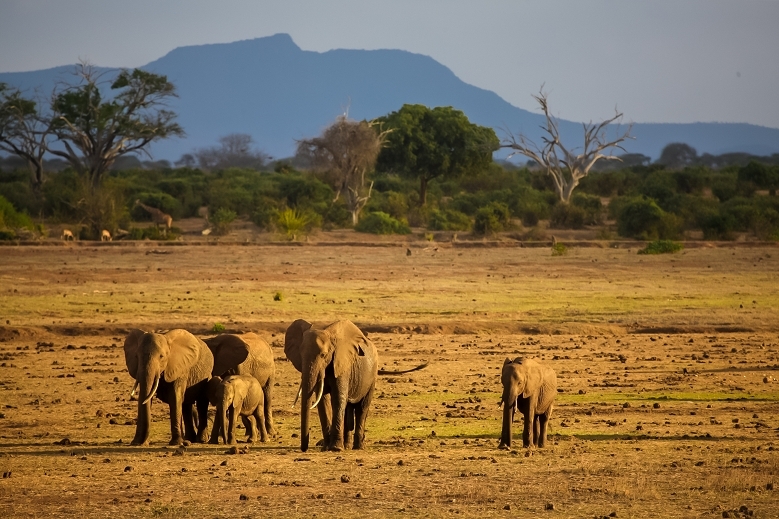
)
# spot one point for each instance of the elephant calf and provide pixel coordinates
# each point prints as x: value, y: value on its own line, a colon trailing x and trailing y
x: 531, y: 388
x: 233, y: 396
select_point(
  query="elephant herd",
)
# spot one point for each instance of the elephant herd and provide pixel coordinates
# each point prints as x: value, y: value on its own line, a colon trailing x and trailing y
x: 338, y: 368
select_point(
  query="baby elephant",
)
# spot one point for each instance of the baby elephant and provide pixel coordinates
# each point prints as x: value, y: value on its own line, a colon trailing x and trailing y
x: 233, y: 396
x: 531, y: 388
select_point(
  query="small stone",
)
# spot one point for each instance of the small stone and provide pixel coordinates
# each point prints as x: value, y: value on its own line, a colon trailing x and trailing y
x: 345, y: 478
x: 128, y: 468
x: 358, y: 495
x: 507, y: 507
x: 549, y: 506
x: 614, y: 514
x: 765, y: 380
x: 223, y: 464
x: 656, y: 405
x: 320, y: 496
x: 243, y: 497
x: 400, y: 463
x: 626, y: 405
x: 769, y: 486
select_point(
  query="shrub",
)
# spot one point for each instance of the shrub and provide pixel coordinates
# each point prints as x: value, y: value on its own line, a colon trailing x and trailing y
x: 558, y: 249
x: 661, y: 247
x: 567, y: 216
x: 642, y: 218
x: 382, y: 223
x: 716, y: 225
x: 592, y: 207
x: 294, y: 222
x: 448, y: 220
x: 278, y: 296
x: 153, y: 233
x: 11, y: 219
x: 218, y: 328
x: 222, y: 220
x: 492, y: 218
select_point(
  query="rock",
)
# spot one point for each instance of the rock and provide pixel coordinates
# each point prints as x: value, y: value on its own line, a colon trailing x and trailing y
x: 223, y: 464
x: 128, y: 468
x: 345, y: 478
x: 507, y: 507
x: 656, y: 405
x: 243, y: 497
x: 549, y: 506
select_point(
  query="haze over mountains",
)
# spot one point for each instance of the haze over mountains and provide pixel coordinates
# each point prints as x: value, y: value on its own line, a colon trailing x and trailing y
x: 276, y: 92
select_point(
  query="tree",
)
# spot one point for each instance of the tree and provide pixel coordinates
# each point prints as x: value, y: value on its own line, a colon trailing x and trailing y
x: 566, y: 167
x: 235, y: 151
x: 95, y: 131
x: 427, y: 144
x: 677, y: 155
x: 24, y: 132
x: 346, y: 152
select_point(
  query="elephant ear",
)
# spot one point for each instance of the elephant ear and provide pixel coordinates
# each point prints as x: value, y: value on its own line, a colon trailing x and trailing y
x: 184, y: 353
x: 349, y: 343
x: 131, y: 345
x: 229, y: 351
x: 293, y: 340
x: 533, y: 380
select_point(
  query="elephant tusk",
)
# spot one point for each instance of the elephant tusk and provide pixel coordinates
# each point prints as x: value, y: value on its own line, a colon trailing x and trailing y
x: 320, y: 392
x: 153, y: 391
x: 300, y: 392
x: 135, y: 388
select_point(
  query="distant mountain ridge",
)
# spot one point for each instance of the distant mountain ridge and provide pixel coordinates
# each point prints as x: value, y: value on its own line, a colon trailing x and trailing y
x: 276, y: 92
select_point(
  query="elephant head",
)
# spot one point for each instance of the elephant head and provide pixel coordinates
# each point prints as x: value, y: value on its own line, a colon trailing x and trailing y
x: 520, y: 378
x: 151, y: 357
x: 336, y: 347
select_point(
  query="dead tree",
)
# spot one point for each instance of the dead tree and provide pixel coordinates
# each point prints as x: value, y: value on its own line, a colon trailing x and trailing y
x: 346, y: 152
x: 567, y: 167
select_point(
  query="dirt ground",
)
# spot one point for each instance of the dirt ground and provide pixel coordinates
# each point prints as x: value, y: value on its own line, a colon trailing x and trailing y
x: 668, y: 400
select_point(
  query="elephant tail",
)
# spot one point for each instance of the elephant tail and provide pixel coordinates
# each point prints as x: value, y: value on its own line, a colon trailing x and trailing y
x: 401, y: 372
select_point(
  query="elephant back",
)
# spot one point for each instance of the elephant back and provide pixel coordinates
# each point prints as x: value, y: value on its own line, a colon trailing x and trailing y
x: 245, y: 354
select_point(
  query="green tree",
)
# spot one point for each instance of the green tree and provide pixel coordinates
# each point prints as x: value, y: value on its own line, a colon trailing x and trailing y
x: 95, y: 131
x: 426, y: 144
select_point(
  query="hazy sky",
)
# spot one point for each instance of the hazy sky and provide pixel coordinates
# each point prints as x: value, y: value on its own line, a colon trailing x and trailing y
x: 657, y: 61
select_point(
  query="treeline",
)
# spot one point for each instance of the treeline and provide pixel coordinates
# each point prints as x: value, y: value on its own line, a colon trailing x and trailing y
x: 642, y: 201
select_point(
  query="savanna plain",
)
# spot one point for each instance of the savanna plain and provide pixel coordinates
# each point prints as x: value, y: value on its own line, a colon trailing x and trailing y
x: 667, y: 366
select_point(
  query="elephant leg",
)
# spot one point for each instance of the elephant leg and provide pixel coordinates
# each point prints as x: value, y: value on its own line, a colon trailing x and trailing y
x: 267, y: 409
x: 189, y: 422
x: 360, y: 418
x: 176, y: 405
x: 544, y: 422
x: 259, y: 419
x: 536, y: 429
x: 216, y: 429
x: 202, y: 419
x: 231, y: 423
x: 247, y: 424
x: 339, y: 400
x: 325, y: 411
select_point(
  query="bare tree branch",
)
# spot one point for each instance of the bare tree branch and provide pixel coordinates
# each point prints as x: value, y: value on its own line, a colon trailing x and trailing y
x: 567, y: 167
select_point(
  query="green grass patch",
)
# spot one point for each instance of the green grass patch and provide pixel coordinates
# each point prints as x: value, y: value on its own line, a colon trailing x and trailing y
x: 661, y: 247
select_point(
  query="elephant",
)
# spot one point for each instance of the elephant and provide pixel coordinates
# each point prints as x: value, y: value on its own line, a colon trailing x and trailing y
x: 531, y: 388
x: 237, y: 395
x: 176, y: 366
x: 245, y: 354
x: 338, y: 367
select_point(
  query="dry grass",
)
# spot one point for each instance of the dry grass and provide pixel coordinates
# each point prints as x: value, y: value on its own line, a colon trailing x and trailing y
x: 679, y: 420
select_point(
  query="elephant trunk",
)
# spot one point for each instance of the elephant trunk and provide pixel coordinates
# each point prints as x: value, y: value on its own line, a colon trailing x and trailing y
x: 304, y: 410
x: 509, y: 408
x: 151, y: 393
x: 221, y: 414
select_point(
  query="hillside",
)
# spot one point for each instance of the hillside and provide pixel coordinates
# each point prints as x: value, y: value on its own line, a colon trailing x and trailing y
x: 276, y: 92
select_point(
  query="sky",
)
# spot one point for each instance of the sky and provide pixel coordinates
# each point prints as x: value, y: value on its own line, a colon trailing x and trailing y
x: 673, y: 61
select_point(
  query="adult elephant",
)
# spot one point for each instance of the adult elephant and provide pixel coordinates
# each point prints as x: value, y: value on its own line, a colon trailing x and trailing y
x: 530, y: 388
x: 245, y: 354
x: 338, y: 367
x: 176, y: 366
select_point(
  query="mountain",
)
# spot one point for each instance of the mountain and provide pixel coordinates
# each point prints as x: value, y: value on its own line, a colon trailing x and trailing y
x: 276, y: 92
